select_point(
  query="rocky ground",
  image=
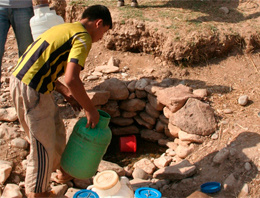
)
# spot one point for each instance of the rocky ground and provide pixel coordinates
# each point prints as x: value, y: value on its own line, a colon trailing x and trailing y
x: 202, y: 48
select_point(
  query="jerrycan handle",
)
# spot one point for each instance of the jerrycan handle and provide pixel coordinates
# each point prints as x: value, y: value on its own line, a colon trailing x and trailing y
x: 104, y: 119
x: 40, y: 10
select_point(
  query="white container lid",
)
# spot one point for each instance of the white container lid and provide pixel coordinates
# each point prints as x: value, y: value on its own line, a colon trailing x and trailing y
x: 106, y: 180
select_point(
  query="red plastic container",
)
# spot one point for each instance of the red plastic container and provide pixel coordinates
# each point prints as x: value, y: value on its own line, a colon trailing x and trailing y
x: 128, y: 144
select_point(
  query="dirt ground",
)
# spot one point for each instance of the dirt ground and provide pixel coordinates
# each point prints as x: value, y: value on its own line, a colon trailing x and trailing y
x: 226, y: 76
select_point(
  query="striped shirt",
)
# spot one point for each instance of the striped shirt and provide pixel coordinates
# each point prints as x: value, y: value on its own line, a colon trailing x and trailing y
x: 46, y: 59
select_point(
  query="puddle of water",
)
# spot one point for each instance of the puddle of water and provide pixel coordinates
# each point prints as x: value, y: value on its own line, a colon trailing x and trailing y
x: 145, y: 149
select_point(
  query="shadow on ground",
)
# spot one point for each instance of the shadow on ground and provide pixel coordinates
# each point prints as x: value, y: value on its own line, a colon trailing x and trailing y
x: 234, y: 164
x: 211, y: 8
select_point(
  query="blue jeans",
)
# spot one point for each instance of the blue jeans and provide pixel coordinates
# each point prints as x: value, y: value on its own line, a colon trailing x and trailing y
x: 19, y: 19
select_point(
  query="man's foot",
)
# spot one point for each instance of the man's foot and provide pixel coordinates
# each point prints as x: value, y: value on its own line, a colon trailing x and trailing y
x: 134, y: 4
x: 61, y: 177
x: 120, y: 3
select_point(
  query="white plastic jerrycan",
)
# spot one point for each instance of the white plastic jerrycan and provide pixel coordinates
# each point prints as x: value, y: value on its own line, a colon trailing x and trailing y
x: 43, y: 19
x: 107, y: 184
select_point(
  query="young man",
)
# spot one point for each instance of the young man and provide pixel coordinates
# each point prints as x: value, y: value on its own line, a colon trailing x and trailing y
x: 60, y: 50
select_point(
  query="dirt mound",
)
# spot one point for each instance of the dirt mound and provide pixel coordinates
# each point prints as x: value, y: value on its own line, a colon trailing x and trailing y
x: 137, y: 37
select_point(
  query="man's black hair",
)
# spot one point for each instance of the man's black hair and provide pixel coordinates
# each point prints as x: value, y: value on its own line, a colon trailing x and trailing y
x: 98, y: 12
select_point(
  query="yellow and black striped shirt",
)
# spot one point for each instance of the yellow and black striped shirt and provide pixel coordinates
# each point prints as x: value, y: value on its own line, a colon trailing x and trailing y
x: 46, y: 59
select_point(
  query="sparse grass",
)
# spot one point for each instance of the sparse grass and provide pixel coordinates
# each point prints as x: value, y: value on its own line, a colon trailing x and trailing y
x: 182, y: 19
x: 131, y: 13
x: 91, y: 2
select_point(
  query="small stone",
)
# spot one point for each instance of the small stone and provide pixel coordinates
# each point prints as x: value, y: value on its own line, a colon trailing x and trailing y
x: 243, y: 100
x: 230, y: 183
x: 139, y: 173
x: 248, y: 166
x: 92, y: 77
x: 19, y: 143
x: 124, y: 75
x: 227, y: 111
x: 214, y: 136
x: 244, y: 191
x: 221, y: 156
x: 225, y: 10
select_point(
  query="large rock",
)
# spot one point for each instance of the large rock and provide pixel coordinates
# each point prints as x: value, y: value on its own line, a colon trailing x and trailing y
x: 155, y: 102
x: 178, y: 171
x: 152, y: 89
x: 195, y: 117
x: 120, y: 121
x: 111, y: 108
x: 19, y: 143
x: 147, y: 118
x: 151, y: 135
x: 5, y: 171
x: 145, y: 164
x: 172, y: 131
x: 175, y: 97
x: 127, y: 130
x: 152, y: 111
x: 162, y: 161
x: 12, y: 191
x: 107, y: 69
x: 183, y: 151
x: 190, y: 137
x: 128, y: 114
x: 99, y: 97
x: 118, y: 90
x: 105, y: 165
x: 132, y: 105
x: 138, y: 183
x: 142, y: 122
x: 142, y: 83
x: 131, y: 86
x: 8, y: 114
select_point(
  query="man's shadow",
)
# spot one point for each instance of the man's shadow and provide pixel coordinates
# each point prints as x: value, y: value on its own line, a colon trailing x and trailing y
x: 242, y: 150
x: 212, y: 10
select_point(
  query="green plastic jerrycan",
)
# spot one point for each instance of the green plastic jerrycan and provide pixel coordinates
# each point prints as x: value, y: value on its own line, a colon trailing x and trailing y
x: 86, y: 147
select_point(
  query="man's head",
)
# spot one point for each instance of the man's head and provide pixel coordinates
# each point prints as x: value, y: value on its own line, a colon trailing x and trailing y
x: 98, y: 12
x: 97, y: 20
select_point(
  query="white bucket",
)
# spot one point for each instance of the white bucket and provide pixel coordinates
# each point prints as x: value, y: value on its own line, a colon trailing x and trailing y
x: 108, y: 185
x: 43, y: 19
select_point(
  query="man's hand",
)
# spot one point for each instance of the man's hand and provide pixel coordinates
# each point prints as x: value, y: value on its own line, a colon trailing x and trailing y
x: 67, y: 95
x: 92, y: 117
x: 78, y: 91
x: 74, y: 104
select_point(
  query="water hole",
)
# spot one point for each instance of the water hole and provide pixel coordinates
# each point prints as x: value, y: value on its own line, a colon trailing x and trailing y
x: 145, y: 149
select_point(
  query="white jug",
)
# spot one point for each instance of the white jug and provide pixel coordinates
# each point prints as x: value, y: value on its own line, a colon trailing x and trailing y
x: 108, y: 185
x: 43, y: 19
